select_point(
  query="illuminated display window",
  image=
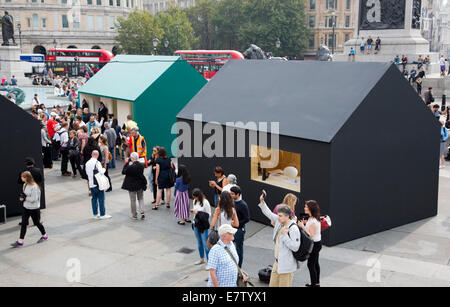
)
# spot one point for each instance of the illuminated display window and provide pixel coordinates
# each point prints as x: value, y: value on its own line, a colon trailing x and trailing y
x: 276, y: 167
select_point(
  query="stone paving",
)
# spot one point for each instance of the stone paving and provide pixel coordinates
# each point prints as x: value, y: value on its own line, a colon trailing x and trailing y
x: 123, y: 252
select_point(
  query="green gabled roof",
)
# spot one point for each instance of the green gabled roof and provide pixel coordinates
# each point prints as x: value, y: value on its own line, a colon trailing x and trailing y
x: 126, y: 77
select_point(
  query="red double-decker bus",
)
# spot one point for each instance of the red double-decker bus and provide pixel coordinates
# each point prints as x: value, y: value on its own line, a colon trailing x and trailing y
x: 208, y: 62
x: 75, y: 62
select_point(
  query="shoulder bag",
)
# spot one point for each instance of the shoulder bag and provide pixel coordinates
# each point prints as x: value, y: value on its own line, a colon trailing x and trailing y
x: 240, y: 280
x: 102, y: 180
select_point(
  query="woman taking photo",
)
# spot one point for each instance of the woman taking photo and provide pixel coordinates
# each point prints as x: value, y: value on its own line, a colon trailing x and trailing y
x: 182, y: 195
x: 162, y: 177
x: 225, y: 212
x: 202, y: 212
x: 31, y: 198
x: 218, y: 184
x: 312, y: 227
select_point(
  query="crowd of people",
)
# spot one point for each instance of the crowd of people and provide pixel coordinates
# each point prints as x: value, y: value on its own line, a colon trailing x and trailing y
x: 92, y: 142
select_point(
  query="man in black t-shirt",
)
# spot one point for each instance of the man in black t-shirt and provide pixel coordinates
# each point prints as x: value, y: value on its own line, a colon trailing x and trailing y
x: 243, y: 215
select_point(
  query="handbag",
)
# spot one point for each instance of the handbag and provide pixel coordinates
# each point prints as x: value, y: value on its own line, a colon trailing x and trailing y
x: 102, y: 180
x: 172, y: 175
x: 264, y: 274
x: 325, y: 222
x: 240, y: 280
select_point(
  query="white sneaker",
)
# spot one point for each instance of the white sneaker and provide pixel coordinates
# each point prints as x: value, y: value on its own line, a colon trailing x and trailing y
x: 96, y: 217
x: 199, y: 262
x: 105, y: 217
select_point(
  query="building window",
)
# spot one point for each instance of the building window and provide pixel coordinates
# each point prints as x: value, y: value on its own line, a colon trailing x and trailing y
x: 99, y: 2
x: 111, y: 22
x: 128, y: 3
x: 311, y: 42
x: 348, y: 5
x: 64, y: 1
x: 118, y: 2
x: 347, y: 21
x: 347, y: 37
x: 275, y: 167
x: 29, y: 22
x: 89, y: 2
x: 312, y: 4
x: 111, y: 2
x: 329, y: 40
x: 91, y: 22
x: 65, y: 21
x: 331, y: 4
x: 132, y: 3
x: 312, y: 21
x: 35, y: 18
x: 44, y: 22
x: 100, y: 22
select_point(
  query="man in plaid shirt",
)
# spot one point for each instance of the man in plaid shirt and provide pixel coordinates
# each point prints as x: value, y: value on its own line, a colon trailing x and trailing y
x: 223, y: 270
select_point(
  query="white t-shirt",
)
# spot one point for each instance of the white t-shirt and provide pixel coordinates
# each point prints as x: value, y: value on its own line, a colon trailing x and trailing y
x: 205, y: 208
x: 90, y: 166
x: 317, y: 236
x: 442, y: 61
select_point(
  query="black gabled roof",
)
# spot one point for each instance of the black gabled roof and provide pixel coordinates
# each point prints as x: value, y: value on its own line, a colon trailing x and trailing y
x: 310, y: 99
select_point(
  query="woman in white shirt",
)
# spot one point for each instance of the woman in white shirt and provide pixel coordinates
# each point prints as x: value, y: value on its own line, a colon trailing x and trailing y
x: 202, y: 210
x: 313, y: 229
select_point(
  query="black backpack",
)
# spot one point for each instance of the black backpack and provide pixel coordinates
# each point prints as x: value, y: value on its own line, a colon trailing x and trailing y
x: 306, y: 245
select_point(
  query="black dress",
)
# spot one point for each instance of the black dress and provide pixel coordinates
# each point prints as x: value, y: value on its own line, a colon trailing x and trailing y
x: 164, y: 168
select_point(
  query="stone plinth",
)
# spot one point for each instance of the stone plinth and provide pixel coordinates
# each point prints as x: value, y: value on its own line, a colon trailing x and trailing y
x: 10, y: 64
x: 405, y: 41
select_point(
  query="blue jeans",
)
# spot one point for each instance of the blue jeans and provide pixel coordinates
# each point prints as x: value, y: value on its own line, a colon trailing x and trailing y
x: 98, y: 200
x: 201, y: 243
x: 112, y: 163
x: 239, y: 242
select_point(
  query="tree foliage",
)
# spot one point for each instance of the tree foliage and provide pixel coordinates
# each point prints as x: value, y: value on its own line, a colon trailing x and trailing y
x: 177, y: 30
x: 225, y: 24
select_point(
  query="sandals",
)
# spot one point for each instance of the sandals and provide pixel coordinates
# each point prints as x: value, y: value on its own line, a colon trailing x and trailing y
x: 155, y: 208
x: 181, y: 223
x: 168, y: 206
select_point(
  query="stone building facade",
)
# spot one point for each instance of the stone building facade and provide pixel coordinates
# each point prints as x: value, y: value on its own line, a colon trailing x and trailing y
x: 156, y: 6
x: 320, y: 17
x: 44, y: 24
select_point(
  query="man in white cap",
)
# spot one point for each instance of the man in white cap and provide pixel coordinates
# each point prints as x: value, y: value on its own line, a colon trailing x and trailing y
x: 222, y: 268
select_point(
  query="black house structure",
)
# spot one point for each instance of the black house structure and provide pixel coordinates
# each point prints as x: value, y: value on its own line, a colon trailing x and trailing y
x: 21, y: 138
x: 356, y: 137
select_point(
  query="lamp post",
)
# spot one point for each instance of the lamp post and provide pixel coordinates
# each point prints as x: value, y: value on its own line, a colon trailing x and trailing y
x: 177, y: 26
x: 19, y: 26
x: 333, y: 35
x: 278, y: 45
x: 166, y: 44
x: 54, y: 43
x: 155, y: 42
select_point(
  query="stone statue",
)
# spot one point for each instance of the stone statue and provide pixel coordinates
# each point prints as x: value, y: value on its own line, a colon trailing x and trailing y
x: 323, y: 54
x: 417, y: 8
x: 254, y: 53
x: 8, y: 29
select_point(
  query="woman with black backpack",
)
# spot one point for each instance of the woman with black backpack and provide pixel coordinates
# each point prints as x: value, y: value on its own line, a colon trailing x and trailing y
x: 312, y: 227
